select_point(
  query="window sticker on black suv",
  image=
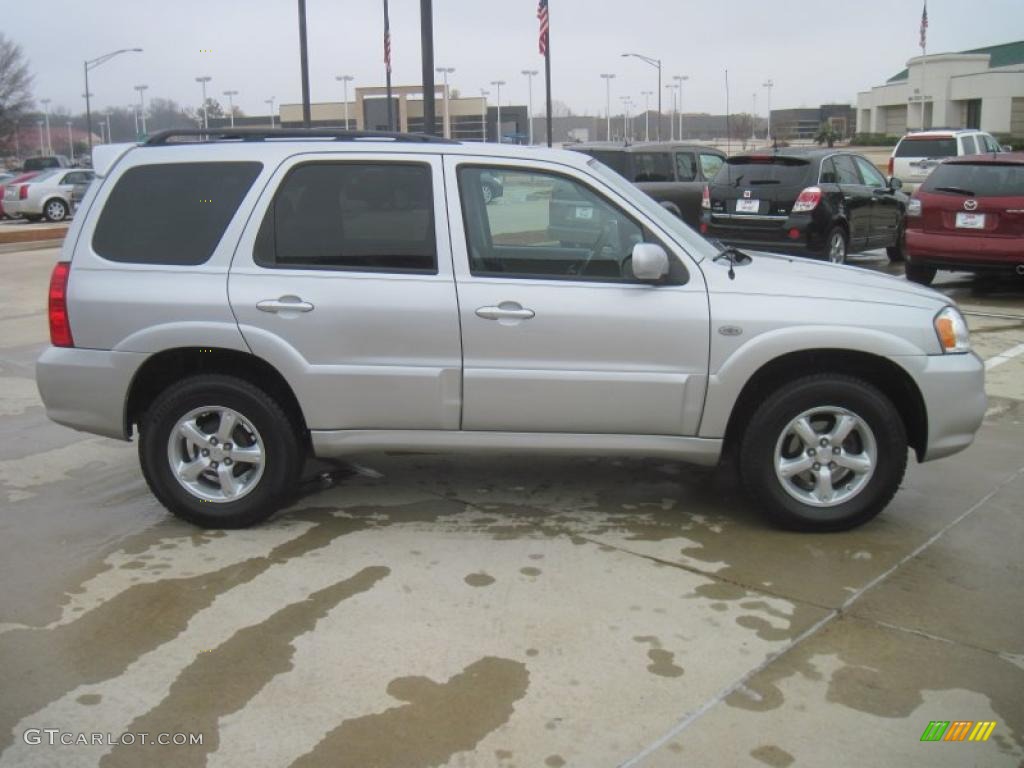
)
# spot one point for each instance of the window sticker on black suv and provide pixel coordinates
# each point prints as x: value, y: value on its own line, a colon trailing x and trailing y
x: 171, y: 213
x: 351, y: 216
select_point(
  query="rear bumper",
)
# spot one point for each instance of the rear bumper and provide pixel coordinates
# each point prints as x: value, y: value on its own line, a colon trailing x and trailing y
x: 963, y: 252
x: 87, y: 389
x: 953, y: 390
x: 767, y: 236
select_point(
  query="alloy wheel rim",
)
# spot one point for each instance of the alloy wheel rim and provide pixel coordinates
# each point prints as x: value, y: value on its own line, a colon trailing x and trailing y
x: 836, y: 249
x: 55, y: 211
x: 216, y: 454
x: 825, y: 456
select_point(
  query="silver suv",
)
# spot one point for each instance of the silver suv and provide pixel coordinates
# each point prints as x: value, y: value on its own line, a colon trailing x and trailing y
x: 252, y: 298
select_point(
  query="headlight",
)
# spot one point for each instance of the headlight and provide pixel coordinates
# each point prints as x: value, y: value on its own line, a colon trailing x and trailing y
x: 952, y: 331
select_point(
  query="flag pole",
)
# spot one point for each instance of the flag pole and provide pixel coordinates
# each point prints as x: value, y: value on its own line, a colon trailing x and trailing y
x: 543, y: 15
x: 427, y: 46
x: 387, y: 65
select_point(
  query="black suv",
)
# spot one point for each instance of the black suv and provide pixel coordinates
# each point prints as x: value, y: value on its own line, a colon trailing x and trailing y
x: 819, y: 202
x: 673, y: 174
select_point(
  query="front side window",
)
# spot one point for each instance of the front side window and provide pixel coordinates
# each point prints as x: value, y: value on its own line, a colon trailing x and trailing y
x: 710, y: 164
x: 364, y: 216
x: 870, y: 174
x: 652, y: 166
x: 171, y: 213
x: 545, y: 226
x: 686, y: 166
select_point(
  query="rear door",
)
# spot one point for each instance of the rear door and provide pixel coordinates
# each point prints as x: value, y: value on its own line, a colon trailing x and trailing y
x: 342, y: 280
x: 858, y: 199
x: 563, y: 339
x: 916, y: 157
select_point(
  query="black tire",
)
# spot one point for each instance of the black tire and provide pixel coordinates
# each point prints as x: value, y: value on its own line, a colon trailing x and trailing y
x: 919, y: 273
x: 488, y: 194
x: 833, y: 234
x: 768, y: 425
x: 55, y: 209
x: 898, y: 251
x: 282, y: 456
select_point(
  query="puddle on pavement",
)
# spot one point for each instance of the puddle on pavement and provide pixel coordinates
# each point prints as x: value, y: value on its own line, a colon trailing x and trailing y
x: 438, y: 720
x: 772, y: 755
x: 222, y: 680
x: 479, y: 580
x: 662, y: 661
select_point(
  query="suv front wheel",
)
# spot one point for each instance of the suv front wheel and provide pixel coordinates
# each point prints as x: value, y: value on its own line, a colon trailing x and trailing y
x: 824, y: 453
x: 219, y: 452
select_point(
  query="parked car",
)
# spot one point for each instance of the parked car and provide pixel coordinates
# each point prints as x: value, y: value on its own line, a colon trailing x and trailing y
x: 968, y: 215
x: 822, y: 202
x: 918, y: 153
x: 43, y: 162
x: 19, y: 179
x: 47, y: 195
x: 332, y: 298
x: 673, y: 174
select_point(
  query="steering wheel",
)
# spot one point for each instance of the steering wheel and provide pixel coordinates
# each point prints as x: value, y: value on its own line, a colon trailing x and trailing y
x: 602, y: 238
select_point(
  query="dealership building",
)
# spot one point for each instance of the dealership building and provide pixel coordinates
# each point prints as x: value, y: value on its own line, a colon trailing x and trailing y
x: 981, y: 88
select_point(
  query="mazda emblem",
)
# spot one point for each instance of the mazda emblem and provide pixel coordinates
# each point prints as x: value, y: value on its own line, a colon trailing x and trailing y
x: 970, y: 205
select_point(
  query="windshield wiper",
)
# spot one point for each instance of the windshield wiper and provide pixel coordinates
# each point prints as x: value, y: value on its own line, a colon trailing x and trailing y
x: 734, y: 256
x: 955, y: 190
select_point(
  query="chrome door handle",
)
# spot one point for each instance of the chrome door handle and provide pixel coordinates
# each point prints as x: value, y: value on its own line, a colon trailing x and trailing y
x: 284, y: 304
x: 505, y: 311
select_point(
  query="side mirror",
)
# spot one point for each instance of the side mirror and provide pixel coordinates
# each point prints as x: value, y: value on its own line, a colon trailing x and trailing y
x: 650, y: 262
x: 1006, y: 148
x: 895, y: 184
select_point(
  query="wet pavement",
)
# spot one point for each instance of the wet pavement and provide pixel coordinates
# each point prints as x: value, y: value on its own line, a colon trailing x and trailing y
x: 410, y: 610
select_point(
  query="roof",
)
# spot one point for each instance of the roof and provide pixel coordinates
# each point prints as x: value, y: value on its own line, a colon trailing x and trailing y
x: 940, y: 133
x: 803, y: 153
x: 643, y: 146
x: 1004, y: 55
x: 989, y: 158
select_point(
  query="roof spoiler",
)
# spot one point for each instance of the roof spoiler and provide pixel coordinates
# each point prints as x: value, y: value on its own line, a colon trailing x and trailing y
x: 105, y: 156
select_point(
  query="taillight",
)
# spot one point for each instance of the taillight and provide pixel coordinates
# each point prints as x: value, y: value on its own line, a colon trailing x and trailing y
x: 890, y: 167
x: 808, y: 200
x: 60, y: 326
x: 23, y: 192
x: 914, y: 207
x: 705, y: 198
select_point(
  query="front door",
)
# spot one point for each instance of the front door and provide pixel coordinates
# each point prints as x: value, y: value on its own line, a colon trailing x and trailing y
x: 557, y: 335
x: 343, y: 282
x: 858, y: 200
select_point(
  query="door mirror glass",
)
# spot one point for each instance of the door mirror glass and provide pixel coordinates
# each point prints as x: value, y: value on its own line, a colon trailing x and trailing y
x: 895, y: 183
x: 650, y: 262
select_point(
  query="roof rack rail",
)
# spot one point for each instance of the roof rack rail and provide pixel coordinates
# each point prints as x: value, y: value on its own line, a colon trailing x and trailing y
x: 162, y: 138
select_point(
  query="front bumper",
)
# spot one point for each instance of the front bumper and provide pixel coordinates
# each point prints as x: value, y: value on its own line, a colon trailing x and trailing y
x: 953, y: 390
x: 87, y: 389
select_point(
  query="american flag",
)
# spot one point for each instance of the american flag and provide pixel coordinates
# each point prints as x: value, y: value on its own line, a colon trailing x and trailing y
x: 924, y: 26
x: 387, y: 39
x: 542, y: 14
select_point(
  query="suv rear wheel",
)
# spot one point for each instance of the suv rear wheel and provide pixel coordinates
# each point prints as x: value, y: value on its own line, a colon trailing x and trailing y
x: 219, y: 452
x: 55, y: 210
x: 835, y: 246
x: 919, y: 273
x: 824, y: 453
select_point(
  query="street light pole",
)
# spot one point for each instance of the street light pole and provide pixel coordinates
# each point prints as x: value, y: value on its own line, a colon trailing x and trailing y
x: 753, y: 120
x: 608, y: 104
x: 203, y: 81
x: 497, y: 97
x: 71, y: 143
x: 672, y: 114
x: 656, y: 63
x: 142, y: 105
x: 625, y: 117
x: 270, y: 101
x: 92, y: 64
x: 135, y: 115
x: 445, y: 71
x: 42, y: 150
x: 680, y: 79
x: 769, y: 84
x: 483, y: 114
x: 647, y: 114
x: 345, y: 80
x: 529, y: 103
x: 46, y: 110
x: 231, y: 105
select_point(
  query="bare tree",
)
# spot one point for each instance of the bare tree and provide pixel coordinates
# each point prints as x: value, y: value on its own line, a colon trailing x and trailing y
x: 15, y: 87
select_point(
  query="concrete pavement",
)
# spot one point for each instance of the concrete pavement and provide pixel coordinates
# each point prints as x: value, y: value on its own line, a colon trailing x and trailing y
x: 426, y: 611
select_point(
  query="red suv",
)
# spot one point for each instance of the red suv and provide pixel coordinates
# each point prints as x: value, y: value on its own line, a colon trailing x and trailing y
x: 968, y: 216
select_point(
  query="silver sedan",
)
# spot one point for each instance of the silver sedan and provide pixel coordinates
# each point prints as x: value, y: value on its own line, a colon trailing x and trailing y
x: 47, y: 196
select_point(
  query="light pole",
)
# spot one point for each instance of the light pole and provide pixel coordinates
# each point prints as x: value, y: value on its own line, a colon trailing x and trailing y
x: 529, y: 101
x: 608, y: 104
x: 71, y: 142
x: 142, y: 105
x: 769, y: 84
x: 203, y: 81
x: 270, y: 101
x: 680, y: 79
x: 626, y: 102
x: 445, y: 71
x: 345, y: 80
x: 497, y: 97
x: 672, y: 115
x: 483, y: 114
x: 231, y: 105
x: 656, y: 63
x: 647, y: 114
x: 42, y: 151
x: 753, y: 121
x: 46, y: 111
x: 92, y: 64
x: 135, y: 114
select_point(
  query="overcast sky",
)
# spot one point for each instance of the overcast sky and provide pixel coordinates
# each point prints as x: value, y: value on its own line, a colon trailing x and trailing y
x: 815, y: 52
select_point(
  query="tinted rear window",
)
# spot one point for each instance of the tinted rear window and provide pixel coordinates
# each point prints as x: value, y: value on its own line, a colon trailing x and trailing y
x: 35, y: 163
x: 614, y: 160
x: 927, y: 148
x: 171, y: 214
x: 981, y: 180
x: 752, y: 171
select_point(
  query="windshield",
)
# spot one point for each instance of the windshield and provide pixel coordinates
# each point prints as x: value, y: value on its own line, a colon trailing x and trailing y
x: 698, y: 248
x: 754, y: 170
x: 927, y: 148
x: 981, y: 180
x: 652, y: 166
